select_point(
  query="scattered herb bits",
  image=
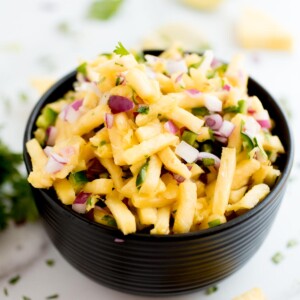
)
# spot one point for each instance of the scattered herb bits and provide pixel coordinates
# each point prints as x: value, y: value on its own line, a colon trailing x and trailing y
x: 211, y: 290
x: 277, y: 258
x: 50, y: 262
x: 54, y: 296
x: 291, y: 243
x: 14, y: 280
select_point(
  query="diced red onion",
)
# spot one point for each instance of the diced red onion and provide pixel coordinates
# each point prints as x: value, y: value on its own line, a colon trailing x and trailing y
x: 80, y: 202
x: 213, y: 103
x: 217, y: 160
x: 119, y: 241
x: 176, y: 66
x: 58, y: 158
x: 187, y: 152
x: 67, y: 152
x: 178, y: 178
x: 119, y: 104
x: 251, y: 127
x: 251, y: 110
x: 77, y: 104
x: 213, y: 121
x: 178, y: 78
x: 221, y: 139
x: 226, y: 87
x: 226, y: 128
x: 53, y: 166
x: 263, y: 118
x: 215, y: 63
x: 109, y: 120
x: 48, y: 150
x: 171, y: 127
x: 193, y: 93
x: 51, y: 132
x: 71, y: 114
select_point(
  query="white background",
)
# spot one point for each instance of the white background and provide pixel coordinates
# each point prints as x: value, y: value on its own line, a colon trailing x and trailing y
x: 31, y: 46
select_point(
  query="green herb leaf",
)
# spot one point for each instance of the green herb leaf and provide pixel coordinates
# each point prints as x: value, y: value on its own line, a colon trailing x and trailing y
x: 64, y: 28
x: 5, y: 291
x: 214, y: 223
x: 121, y: 50
x: 195, y: 65
x: 26, y: 298
x: 277, y: 258
x: 142, y: 175
x: 211, y: 290
x: 102, y: 143
x: 118, y: 81
x: 82, y: 69
x: 14, y: 280
x: 54, y: 296
x: 23, y: 97
x: 292, y: 243
x: 208, y: 162
x: 143, y: 109
x: 104, y: 9
x: 50, y: 262
x: 240, y: 108
x: 109, y: 220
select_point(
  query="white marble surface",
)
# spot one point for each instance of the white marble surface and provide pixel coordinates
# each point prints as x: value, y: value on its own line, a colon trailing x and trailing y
x: 32, y: 46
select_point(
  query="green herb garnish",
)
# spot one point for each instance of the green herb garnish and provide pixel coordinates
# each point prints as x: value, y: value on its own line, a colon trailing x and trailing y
x: 54, y: 296
x: 291, y: 243
x: 102, y: 143
x: 14, y: 280
x: 5, y: 291
x: 200, y: 111
x: 50, y: 262
x: 277, y: 258
x: 104, y: 9
x: 143, y: 109
x: 214, y: 223
x: 121, y: 50
x: 23, y: 97
x: 109, y: 220
x: 195, y: 65
x: 78, y: 180
x: 16, y: 203
x: 64, y: 28
x: 118, y: 81
x: 142, y: 175
x: 208, y: 162
x: 82, y: 69
x: 26, y: 298
x: 211, y: 290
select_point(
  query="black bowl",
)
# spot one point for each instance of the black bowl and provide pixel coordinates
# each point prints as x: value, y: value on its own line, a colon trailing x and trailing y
x: 159, y: 265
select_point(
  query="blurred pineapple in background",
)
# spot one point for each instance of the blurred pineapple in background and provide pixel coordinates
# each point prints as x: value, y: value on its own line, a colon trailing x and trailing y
x: 184, y: 35
x: 203, y: 4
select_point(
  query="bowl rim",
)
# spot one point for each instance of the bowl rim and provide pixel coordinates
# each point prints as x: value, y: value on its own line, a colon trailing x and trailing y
x: 280, y: 184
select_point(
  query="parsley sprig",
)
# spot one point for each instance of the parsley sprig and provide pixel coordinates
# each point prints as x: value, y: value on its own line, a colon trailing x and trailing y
x: 121, y: 50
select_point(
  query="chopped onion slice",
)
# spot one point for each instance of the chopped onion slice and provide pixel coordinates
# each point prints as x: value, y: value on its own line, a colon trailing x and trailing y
x: 119, y: 104
x: 212, y: 103
x: 210, y: 155
x: 226, y: 87
x: 77, y: 104
x: 109, y: 120
x: 176, y: 66
x: 226, y: 128
x: 263, y: 118
x: 48, y: 150
x: 178, y: 178
x: 193, y: 93
x: 51, y: 132
x: 71, y: 114
x: 53, y: 166
x: 251, y: 127
x: 214, y: 121
x: 171, y: 127
x: 187, y: 152
x: 119, y: 241
x: 80, y: 202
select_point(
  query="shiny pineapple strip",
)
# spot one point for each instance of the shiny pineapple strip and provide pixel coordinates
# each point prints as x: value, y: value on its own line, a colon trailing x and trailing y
x: 147, y: 215
x: 101, y: 186
x: 115, y: 172
x: 162, y: 224
x: 64, y: 191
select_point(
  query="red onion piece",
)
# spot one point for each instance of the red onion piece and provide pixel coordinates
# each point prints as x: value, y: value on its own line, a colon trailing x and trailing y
x: 51, y: 132
x: 58, y: 158
x: 193, y: 93
x: 221, y: 139
x: 213, y: 103
x: 265, y: 123
x: 226, y: 128
x: 251, y: 127
x: 226, y: 87
x: 48, y: 150
x: 77, y: 104
x: 119, y: 104
x: 171, y: 127
x: 210, y: 155
x: 251, y: 111
x: 263, y: 119
x: 178, y: 78
x: 178, y: 178
x: 119, y: 241
x: 53, y: 166
x: 109, y: 120
x: 187, y: 152
x: 215, y: 63
x: 80, y: 202
x: 213, y: 121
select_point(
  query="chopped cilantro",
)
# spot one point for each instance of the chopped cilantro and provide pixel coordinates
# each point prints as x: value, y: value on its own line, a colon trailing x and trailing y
x: 50, y: 262
x: 23, y: 97
x: 121, y: 50
x: 82, y: 68
x: 102, y: 143
x: 109, y: 220
x: 5, y: 291
x: 142, y: 175
x: 104, y: 9
x: 291, y: 243
x: 64, y: 28
x: 211, y: 290
x: 200, y: 111
x: 143, y: 109
x: 16, y: 201
x: 14, y: 280
x: 54, y: 296
x: 118, y: 81
x: 26, y: 298
x: 195, y: 65
x: 240, y: 108
x: 277, y: 258
x: 208, y: 162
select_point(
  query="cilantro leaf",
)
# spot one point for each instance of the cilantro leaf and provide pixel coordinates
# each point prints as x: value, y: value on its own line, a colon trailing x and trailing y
x: 104, y: 9
x: 82, y: 69
x: 143, y: 109
x: 54, y: 296
x: 14, y: 280
x: 121, y: 50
